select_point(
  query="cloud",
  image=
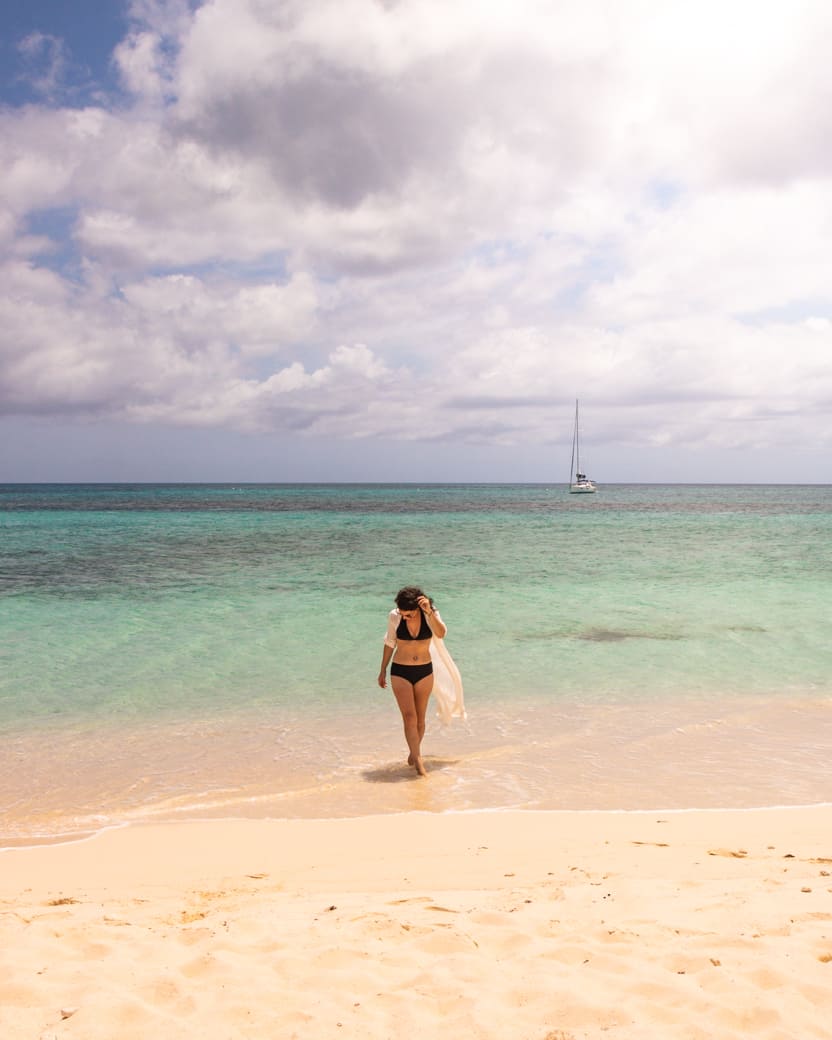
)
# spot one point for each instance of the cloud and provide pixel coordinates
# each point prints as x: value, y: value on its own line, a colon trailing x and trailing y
x: 256, y: 319
x: 47, y: 63
x: 422, y: 219
x: 337, y: 120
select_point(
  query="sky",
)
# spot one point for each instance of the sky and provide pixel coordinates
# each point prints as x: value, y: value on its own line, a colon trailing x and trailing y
x: 395, y: 240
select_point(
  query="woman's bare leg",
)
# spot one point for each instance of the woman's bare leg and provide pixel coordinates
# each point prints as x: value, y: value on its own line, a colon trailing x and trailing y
x: 412, y: 702
x: 421, y: 696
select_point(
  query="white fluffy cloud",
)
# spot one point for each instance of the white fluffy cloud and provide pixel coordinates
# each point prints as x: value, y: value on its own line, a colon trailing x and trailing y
x: 373, y: 219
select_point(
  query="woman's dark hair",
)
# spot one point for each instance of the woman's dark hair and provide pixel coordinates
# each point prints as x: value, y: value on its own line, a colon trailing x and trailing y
x: 408, y: 598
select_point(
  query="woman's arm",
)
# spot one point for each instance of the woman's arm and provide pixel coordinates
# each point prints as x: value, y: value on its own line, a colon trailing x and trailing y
x: 435, y: 622
x: 386, y: 654
x: 437, y: 625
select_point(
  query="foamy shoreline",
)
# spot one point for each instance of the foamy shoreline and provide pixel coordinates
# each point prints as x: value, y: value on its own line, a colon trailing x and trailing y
x: 546, y: 925
x: 41, y: 841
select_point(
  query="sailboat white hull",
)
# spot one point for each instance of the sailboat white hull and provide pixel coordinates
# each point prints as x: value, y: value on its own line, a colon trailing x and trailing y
x: 582, y: 489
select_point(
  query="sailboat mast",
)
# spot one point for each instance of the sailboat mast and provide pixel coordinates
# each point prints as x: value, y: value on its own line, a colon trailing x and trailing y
x: 574, y: 446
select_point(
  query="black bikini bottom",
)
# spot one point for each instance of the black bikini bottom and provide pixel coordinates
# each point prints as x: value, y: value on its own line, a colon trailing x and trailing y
x: 412, y: 672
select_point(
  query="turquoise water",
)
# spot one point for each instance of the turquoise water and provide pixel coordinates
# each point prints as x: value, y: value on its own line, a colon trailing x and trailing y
x: 175, y: 618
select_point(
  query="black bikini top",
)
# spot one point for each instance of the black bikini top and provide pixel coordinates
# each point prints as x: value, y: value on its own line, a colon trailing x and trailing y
x: 424, y: 629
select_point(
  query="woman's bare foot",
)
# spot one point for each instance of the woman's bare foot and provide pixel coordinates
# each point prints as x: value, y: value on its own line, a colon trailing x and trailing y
x: 419, y: 766
x: 410, y: 760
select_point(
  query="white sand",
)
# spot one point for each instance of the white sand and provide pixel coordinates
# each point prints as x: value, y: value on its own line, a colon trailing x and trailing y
x: 538, y: 926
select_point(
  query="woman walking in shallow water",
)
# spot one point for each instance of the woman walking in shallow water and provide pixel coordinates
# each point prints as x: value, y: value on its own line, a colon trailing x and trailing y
x: 410, y: 629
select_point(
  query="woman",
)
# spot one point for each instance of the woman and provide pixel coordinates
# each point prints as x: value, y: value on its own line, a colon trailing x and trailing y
x: 410, y: 629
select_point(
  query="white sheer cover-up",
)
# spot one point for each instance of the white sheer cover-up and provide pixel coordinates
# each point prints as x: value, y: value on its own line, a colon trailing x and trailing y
x: 447, y: 682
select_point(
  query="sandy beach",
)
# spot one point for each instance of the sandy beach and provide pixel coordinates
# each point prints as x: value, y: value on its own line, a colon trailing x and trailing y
x: 529, y: 926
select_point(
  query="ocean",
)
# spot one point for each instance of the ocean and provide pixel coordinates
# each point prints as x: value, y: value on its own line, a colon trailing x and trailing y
x: 183, y: 651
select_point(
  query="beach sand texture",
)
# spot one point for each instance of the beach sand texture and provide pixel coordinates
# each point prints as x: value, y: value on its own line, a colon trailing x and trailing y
x: 528, y: 926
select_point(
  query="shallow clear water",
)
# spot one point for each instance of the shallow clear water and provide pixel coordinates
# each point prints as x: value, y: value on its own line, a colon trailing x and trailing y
x: 167, y: 642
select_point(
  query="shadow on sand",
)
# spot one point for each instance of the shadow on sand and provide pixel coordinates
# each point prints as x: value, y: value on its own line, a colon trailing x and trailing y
x: 397, y: 772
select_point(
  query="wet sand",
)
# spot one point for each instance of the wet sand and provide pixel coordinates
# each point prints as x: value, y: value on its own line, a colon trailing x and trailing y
x: 58, y: 782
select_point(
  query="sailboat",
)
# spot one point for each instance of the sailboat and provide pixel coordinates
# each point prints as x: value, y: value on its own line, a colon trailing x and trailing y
x: 581, y: 485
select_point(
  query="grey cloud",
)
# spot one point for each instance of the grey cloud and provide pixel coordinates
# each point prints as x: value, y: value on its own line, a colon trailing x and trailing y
x: 477, y: 402
x: 485, y: 432
x: 337, y: 135
x: 341, y: 133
